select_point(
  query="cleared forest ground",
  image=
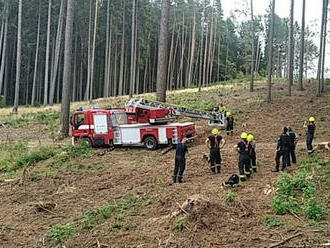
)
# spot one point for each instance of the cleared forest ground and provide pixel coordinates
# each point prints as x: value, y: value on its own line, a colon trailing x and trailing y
x: 123, y: 198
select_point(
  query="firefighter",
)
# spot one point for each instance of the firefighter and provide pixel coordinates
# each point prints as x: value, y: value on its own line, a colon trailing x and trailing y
x: 215, y: 142
x: 230, y: 123
x: 180, y: 160
x: 310, y: 134
x: 282, y: 150
x: 292, y: 146
x: 253, y: 155
x: 243, y: 148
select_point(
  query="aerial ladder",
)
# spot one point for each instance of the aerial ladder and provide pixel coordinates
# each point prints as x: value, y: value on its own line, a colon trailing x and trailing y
x: 162, y: 112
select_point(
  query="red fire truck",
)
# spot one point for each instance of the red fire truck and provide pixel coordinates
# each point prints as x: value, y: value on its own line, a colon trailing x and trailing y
x: 141, y: 122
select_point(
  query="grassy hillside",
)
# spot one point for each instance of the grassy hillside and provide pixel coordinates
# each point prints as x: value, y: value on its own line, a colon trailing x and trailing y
x: 55, y: 194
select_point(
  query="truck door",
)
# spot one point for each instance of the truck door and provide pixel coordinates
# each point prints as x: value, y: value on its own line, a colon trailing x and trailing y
x: 100, y: 129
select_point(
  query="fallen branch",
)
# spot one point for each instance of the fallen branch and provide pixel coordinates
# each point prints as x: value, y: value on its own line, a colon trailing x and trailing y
x: 182, y: 208
x: 285, y: 240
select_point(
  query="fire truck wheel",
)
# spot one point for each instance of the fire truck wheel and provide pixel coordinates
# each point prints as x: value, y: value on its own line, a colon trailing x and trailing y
x: 87, y: 141
x: 150, y: 143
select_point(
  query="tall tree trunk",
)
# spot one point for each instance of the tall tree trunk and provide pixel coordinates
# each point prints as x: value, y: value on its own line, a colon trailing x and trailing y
x: 93, y: 51
x: 107, y: 50
x: 66, y: 92
x: 122, y: 56
x: 252, y: 49
x: 18, y: 58
x: 322, y: 34
x: 205, y: 55
x: 74, y: 87
x: 57, y: 54
x: 201, y: 53
x: 162, y: 51
x: 3, y: 55
x: 27, y: 81
x: 324, y: 44
x: 36, y: 64
x: 132, y: 77
x: 47, y: 53
x: 192, y: 51
x: 270, y: 53
x: 88, y: 86
x: 291, y: 48
x: 302, y: 47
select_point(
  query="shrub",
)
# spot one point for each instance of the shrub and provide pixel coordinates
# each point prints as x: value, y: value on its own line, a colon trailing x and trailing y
x: 297, y: 193
x: 179, y: 224
x: 32, y: 158
x: 315, y: 210
x: 231, y: 196
x: 60, y: 233
x: 273, y: 222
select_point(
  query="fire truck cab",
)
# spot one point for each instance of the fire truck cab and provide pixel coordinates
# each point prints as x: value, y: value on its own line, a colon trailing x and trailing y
x: 102, y: 127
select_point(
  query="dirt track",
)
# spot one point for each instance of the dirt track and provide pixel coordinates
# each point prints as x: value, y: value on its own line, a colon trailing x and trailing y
x: 214, y: 223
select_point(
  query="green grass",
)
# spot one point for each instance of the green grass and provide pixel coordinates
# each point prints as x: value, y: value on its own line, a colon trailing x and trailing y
x: 47, y: 117
x: 15, y: 156
x: 60, y: 233
x: 231, y: 196
x: 273, y: 222
x: 298, y: 193
x: 179, y: 225
x: 118, y: 211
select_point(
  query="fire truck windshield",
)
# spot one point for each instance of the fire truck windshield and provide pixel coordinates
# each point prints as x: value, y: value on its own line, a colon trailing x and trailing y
x: 118, y: 118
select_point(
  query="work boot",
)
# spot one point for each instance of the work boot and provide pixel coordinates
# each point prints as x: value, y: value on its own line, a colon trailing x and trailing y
x: 254, y: 169
x: 276, y: 170
x: 283, y: 168
x: 243, y: 179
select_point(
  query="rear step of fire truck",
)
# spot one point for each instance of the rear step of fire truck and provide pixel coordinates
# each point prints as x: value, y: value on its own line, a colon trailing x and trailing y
x: 215, y: 119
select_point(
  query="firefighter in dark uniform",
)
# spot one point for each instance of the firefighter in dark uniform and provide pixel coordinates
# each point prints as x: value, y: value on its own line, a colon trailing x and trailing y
x: 180, y: 160
x: 215, y: 142
x: 292, y: 146
x: 230, y: 123
x: 253, y: 155
x: 243, y: 148
x: 310, y: 134
x: 282, y: 150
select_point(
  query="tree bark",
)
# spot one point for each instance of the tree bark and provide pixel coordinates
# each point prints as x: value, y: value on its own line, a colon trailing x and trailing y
x: 3, y: 55
x: 270, y: 53
x: 47, y: 53
x: 86, y: 97
x: 18, y: 58
x: 291, y: 48
x: 36, y: 64
x: 324, y: 44
x: 57, y: 53
x: 66, y: 90
x: 133, y: 54
x: 162, y: 52
x: 252, y: 47
x: 122, y: 56
x: 93, y: 51
x: 192, y: 51
x: 302, y: 47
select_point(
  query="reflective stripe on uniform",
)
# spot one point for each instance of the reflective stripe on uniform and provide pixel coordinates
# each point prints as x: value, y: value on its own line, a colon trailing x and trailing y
x: 242, y: 176
x: 247, y: 172
x: 254, y: 167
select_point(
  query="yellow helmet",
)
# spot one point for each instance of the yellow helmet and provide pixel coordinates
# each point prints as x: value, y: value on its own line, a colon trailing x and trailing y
x: 228, y: 113
x: 250, y: 137
x: 311, y: 119
x: 215, y: 131
x: 244, y: 135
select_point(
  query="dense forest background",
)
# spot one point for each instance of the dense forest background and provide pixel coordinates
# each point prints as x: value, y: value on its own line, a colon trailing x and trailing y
x: 114, y: 47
